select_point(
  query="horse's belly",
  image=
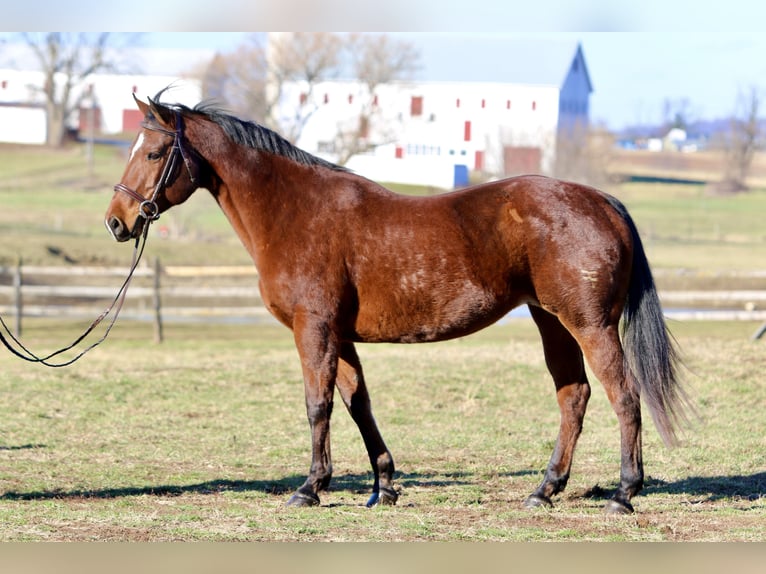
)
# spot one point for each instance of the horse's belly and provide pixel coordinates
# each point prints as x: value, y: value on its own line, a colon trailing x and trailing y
x: 421, y: 315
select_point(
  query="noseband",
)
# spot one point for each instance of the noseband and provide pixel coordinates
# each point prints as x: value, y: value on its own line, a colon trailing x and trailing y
x: 148, y: 208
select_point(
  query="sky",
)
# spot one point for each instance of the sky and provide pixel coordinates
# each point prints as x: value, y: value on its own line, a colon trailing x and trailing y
x: 639, y: 55
x: 634, y: 74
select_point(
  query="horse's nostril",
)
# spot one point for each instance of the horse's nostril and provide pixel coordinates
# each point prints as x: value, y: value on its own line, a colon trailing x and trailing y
x: 116, y: 228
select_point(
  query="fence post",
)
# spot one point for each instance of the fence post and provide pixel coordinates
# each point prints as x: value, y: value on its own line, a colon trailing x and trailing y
x: 17, y: 300
x: 158, y: 335
x: 759, y: 333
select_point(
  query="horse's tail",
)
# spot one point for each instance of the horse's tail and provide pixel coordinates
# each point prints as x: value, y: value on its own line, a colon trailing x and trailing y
x: 650, y: 351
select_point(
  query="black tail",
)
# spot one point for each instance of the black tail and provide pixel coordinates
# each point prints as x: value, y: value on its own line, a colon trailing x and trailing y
x: 650, y: 352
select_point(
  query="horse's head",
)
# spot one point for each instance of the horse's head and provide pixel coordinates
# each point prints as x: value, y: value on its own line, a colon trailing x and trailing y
x: 162, y: 171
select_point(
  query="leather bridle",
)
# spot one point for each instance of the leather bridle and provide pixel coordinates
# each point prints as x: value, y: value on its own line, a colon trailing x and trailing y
x: 148, y: 208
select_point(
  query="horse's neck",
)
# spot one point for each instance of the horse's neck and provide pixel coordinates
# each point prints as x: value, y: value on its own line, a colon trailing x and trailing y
x: 253, y: 201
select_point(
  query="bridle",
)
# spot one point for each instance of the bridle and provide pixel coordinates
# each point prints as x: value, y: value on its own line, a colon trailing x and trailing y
x: 150, y: 211
x: 148, y: 208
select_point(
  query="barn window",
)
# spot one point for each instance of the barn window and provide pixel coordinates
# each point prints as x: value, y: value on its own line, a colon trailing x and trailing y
x: 479, y: 160
x: 467, y: 131
x: 457, y: 103
x: 4, y: 84
x: 507, y: 104
x: 534, y: 105
x: 483, y: 103
x: 416, y: 106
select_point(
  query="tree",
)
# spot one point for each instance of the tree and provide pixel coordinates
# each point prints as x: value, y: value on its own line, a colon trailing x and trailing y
x: 251, y: 81
x: 259, y: 80
x: 741, y: 141
x: 376, y: 60
x: 66, y: 61
x: 676, y: 114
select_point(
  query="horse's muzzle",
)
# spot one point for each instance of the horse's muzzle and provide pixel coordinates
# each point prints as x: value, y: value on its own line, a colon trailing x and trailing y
x: 119, y: 231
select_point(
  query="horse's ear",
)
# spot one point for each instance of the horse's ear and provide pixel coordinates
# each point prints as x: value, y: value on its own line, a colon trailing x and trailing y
x: 144, y: 108
x: 162, y: 114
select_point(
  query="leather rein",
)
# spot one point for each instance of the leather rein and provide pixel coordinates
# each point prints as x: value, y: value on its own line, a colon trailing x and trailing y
x: 149, y: 210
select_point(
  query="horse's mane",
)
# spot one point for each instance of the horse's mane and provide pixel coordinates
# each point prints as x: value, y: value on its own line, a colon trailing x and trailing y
x: 249, y: 133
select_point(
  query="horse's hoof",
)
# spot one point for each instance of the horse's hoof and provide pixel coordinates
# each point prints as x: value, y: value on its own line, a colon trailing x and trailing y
x: 386, y: 496
x: 618, y: 507
x: 303, y: 499
x: 538, y: 501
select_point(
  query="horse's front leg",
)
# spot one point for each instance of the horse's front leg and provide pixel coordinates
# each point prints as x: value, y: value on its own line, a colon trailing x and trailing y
x: 318, y: 349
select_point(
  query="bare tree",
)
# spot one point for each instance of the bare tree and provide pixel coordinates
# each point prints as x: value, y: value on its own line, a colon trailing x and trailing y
x: 676, y: 113
x: 238, y: 80
x: 742, y: 141
x: 273, y: 80
x: 251, y: 81
x: 376, y: 60
x: 67, y: 60
x: 583, y: 154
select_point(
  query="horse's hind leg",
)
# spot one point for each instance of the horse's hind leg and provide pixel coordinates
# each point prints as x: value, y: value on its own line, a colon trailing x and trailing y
x: 604, y: 353
x: 565, y: 363
x: 353, y: 391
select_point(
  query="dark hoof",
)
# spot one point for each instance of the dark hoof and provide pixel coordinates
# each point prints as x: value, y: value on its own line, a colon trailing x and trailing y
x: 386, y: 496
x: 538, y: 501
x: 618, y: 507
x: 303, y: 499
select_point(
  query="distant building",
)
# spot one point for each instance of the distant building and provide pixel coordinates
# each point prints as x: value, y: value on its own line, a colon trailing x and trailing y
x: 434, y: 133
x: 105, y: 100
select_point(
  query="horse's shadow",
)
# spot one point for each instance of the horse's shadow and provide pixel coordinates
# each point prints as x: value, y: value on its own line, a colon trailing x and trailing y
x: 712, y: 488
x: 356, y: 483
x: 747, y: 486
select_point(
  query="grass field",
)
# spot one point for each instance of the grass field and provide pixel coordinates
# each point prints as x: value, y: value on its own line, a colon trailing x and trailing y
x: 205, y: 436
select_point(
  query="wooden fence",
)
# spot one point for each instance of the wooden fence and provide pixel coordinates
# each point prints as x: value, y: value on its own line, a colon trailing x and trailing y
x: 230, y: 294
x: 156, y: 293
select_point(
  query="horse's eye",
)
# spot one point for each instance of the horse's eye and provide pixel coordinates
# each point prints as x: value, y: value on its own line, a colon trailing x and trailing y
x: 153, y: 156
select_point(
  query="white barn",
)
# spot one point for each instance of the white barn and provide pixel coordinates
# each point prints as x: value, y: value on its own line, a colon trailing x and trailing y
x: 22, y: 107
x: 436, y: 132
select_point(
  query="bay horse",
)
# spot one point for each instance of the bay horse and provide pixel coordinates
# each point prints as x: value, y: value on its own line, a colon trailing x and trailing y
x: 342, y: 260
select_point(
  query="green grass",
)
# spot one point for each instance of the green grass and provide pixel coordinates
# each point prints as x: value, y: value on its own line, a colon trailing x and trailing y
x: 684, y: 227
x: 205, y: 436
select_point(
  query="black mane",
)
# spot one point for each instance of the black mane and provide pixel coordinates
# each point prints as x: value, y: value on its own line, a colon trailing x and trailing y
x: 250, y: 134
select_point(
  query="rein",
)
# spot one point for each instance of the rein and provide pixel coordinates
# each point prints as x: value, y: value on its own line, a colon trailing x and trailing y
x: 150, y: 211
x: 9, y: 339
